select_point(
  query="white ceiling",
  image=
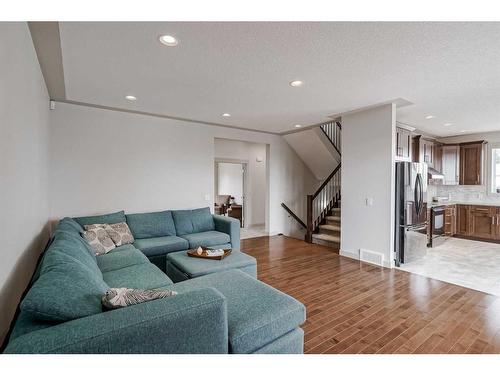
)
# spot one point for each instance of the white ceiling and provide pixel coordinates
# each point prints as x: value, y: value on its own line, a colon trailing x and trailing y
x: 449, y: 70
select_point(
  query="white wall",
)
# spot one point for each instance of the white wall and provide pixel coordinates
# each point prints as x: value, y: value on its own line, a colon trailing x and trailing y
x: 256, y: 193
x: 24, y: 128
x: 312, y: 147
x: 368, y: 172
x: 103, y: 160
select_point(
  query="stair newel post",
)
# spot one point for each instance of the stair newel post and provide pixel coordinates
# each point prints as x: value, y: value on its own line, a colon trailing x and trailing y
x: 309, y: 218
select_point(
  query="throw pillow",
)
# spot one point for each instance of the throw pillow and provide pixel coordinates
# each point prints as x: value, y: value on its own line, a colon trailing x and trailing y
x: 98, y: 238
x: 120, y: 233
x: 122, y: 297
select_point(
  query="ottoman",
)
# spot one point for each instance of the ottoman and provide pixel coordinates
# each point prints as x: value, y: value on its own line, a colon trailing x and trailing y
x: 182, y: 267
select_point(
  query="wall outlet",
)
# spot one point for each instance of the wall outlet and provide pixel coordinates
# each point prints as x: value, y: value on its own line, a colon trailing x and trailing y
x: 207, y: 197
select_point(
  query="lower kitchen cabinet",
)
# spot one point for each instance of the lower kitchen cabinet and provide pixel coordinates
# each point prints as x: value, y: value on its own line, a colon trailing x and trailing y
x: 476, y: 222
x: 450, y: 221
x: 482, y: 222
x: 462, y: 219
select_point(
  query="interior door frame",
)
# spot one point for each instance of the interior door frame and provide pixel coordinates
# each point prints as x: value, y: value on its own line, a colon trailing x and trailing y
x: 244, y: 164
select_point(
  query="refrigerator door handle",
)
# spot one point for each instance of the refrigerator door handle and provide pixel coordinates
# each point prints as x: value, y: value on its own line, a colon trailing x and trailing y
x: 419, y: 194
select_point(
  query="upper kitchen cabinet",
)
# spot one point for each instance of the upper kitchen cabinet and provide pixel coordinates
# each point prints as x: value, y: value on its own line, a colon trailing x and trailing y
x: 471, y: 163
x: 403, y: 144
x: 428, y: 151
x: 451, y: 164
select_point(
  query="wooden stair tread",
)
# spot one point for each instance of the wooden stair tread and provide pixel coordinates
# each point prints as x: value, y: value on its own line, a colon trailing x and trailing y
x: 326, y: 237
x: 333, y: 218
x: 329, y: 227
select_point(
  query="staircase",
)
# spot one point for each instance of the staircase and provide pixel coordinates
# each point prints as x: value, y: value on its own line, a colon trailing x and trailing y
x: 323, y: 207
x: 329, y: 232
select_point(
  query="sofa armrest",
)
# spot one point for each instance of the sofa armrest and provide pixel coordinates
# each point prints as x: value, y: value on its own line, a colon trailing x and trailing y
x: 192, y: 322
x: 230, y: 226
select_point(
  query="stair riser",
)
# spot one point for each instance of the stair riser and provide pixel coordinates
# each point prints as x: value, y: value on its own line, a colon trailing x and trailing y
x: 332, y: 222
x: 334, y: 232
x: 333, y: 245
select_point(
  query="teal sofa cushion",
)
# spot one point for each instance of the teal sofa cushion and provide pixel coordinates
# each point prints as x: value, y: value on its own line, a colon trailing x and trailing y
x: 231, y: 226
x: 161, y: 245
x: 66, y: 289
x: 257, y: 313
x: 70, y: 225
x: 194, y: 322
x: 210, y: 238
x: 116, y: 217
x: 153, y: 224
x: 141, y: 276
x: 196, y: 267
x: 193, y: 221
x: 121, y: 257
x: 76, y: 247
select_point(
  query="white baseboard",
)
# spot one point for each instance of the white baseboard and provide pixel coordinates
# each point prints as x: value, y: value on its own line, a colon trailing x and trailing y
x: 355, y: 255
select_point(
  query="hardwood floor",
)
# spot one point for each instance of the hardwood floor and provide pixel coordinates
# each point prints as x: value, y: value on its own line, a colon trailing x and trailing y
x: 353, y: 307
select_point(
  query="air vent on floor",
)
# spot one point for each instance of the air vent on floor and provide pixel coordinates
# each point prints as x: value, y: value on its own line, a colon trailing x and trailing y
x: 372, y: 257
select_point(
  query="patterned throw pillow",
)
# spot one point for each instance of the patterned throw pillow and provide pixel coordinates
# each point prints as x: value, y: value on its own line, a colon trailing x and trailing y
x: 122, y: 297
x: 98, y: 238
x: 120, y: 233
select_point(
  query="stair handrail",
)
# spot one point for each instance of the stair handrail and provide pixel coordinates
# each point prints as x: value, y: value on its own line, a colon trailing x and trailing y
x: 333, y: 131
x: 318, y: 191
x: 292, y: 214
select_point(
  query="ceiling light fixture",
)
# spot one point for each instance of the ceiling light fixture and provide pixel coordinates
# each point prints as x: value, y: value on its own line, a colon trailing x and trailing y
x: 448, y: 124
x: 296, y: 83
x: 429, y: 117
x: 132, y: 98
x: 168, y: 40
x: 226, y: 115
x: 297, y: 125
x: 463, y: 131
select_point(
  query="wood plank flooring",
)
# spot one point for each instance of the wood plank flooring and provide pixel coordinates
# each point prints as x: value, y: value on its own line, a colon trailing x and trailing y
x: 353, y: 307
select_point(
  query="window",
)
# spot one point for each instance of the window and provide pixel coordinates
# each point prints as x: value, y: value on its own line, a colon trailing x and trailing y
x: 495, y: 169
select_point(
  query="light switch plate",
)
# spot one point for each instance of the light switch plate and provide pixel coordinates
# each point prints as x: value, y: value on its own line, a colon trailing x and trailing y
x: 207, y: 197
x: 369, y: 201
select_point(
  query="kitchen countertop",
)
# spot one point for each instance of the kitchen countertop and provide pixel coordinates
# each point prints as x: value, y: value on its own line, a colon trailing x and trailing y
x: 466, y: 203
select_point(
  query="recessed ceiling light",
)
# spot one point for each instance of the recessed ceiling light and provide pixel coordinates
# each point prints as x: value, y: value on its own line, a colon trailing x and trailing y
x: 132, y: 98
x: 226, y: 115
x: 296, y: 83
x: 463, y: 131
x: 168, y: 40
x: 429, y: 117
x: 448, y: 124
x: 297, y: 125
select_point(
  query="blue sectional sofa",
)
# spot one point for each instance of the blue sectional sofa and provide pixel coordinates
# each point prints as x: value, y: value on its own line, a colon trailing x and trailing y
x: 159, y: 233
x: 223, y: 312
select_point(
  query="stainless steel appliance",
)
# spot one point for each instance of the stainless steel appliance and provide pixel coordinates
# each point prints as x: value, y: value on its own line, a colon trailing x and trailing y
x: 436, y: 227
x: 411, y: 211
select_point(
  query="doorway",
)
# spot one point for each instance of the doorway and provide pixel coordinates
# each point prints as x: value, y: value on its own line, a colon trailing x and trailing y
x: 230, y: 189
x: 241, y: 184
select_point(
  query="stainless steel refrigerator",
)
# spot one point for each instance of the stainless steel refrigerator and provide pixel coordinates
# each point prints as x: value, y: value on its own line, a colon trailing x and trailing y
x: 411, y: 212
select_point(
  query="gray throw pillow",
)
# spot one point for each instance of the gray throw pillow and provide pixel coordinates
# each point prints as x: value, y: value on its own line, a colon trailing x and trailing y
x: 121, y: 297
x: 99, y: 239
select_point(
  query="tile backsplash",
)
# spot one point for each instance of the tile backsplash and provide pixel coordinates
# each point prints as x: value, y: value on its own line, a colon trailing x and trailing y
x: 462, y: 193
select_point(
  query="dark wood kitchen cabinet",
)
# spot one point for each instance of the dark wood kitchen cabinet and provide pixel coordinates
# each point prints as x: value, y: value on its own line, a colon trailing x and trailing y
x: 450, y: 221
x: 462, y: 220
x: 482, y: 222
x: 403, y: 144
x: 475, y: 222
x: 471, y: 163
x: 428, y: 151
